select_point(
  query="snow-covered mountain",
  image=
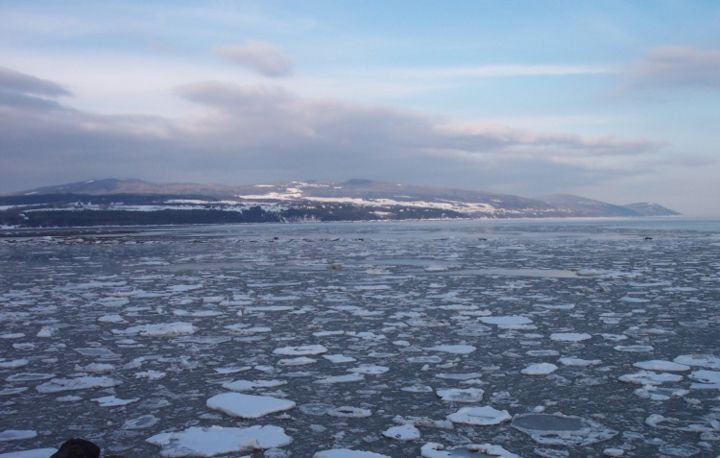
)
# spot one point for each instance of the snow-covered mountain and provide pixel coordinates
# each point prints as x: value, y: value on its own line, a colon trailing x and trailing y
x: 142, y: 202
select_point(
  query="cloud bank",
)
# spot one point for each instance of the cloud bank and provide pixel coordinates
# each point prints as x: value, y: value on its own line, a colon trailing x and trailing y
x: 257, y: 56
x: 254, y: 133
x: 676, y: 67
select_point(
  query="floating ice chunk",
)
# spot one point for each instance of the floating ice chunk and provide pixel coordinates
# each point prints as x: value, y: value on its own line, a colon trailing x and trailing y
x: 649, y: 378
x: 301, y: 350
x: 456, y: 349
x: 184, y: 288
x: 80, y: 383
x: 299, y: 361
x: 461, y: 395
x: 369, y: 369
x: 355, y: 377
x: 29, y: 376
x: 570, y: 336
x: 662, y: 366
x: 459, y: 376
x: 339, y: 359
x: 315, y: 409
x: 112, y: 318
x: 142, y: 422
x: 479, y: 416
x: 559, y: 429
x: 97, y: 352
x: 347, y: 453
x: 556, y: 306
x: 328, y: 333
x: 612, y: 451
x: 34, y: 453
x: 402, y: 433
x: 13, y: 363
x: 424, y: 359
x: 150, y: 374
x: 579, y: 362
x: 509, y: 322
x: 542, y: 353
x: 196, y: 313
x: 219, y: 440
x: 653, y: 420
x: 657, y: 393
x: 12, y: 335
x: 436, y: 268
x: 248, y: 406
x: 96, y: 368
x: 539, y: 369
x: 178, y: 328
x: 248, y: 385
x: 269, y: 308
x: 47, y: 331
x: 634, y: 348
x: 417, y: 388
x: 231, y: 370
x: 16, y: 434
x: 435, y: 450
x: 112, y: 401
x: 245, y: 330
x: 349, y: 412
x: 706, y: 361
x: 12, y: 391
x: 705, y: 376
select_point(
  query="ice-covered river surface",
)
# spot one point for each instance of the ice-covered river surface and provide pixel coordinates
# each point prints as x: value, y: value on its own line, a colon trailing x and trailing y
x: 534, y: 338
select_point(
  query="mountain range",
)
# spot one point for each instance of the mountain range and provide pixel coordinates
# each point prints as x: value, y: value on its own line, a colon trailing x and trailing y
x: 121, y: 202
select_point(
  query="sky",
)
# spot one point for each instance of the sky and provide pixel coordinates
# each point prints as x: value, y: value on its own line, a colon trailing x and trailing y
x: 612, y: 100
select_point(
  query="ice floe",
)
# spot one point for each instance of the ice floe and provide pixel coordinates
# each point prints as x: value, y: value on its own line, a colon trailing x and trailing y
x: 706, y: 361
x: 479, y: 416
x: 559, y: 429
x: 160, y: 330
x: 33, y: 453
x: 248, y: 406
x: 460, y: 394
x: 80, y: 383
x: 456, y: 349
x: 249, y: 385
x: 402, y: 433
x: 570, y: 336
x: 349, y: 412
x: 579, y: 362
x: 509, y: 322
x: 539, y: 369
x: 435, y: 450
x: 347, y: 453
x: 661, y: 366
x: 339, y: 359
x: 301, y: 350
x: 17, y: 434
x: 219, y: 440
x: 650, y: 378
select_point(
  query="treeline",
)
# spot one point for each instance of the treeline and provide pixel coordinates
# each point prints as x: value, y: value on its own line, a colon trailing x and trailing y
x: 343, y: 212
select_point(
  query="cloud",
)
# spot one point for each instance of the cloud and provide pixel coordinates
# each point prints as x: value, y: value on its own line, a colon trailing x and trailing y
x: 23, y: 90
x: 255, y: 133
x: 675, y: 67
x: 13, y: 81
x: 263, y: 58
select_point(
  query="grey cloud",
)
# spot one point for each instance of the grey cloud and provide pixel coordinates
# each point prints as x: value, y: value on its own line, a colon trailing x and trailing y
x: 676, y: 66
x: 260, y: 57
x: 16, y: 82
x: 250, y: 134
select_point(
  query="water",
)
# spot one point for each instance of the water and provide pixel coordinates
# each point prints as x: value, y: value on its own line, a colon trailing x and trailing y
x: 146, y: 325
